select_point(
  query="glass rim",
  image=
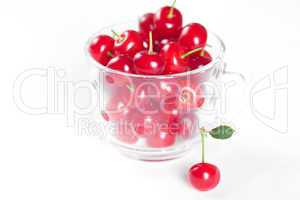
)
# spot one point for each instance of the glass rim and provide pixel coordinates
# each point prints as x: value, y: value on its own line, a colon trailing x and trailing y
x: 221, y: 50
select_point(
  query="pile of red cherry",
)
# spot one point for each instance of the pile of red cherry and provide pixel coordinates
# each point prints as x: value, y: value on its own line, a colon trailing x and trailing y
x: 161, y: 46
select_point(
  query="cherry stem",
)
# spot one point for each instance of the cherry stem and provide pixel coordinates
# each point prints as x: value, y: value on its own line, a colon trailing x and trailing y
x: 130, y: 88
x: 203, y: 133
x: 191, y: 52
x: 170, y: 15
x: 110, y: 54
x: 150, y: 51
x: 202, y: 53
x: 115, y: 34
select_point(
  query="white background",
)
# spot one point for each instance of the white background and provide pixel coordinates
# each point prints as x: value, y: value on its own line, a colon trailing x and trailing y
x: 41, y: 158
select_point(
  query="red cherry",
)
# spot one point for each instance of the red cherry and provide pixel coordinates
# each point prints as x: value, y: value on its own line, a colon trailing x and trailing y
x: 121, y: 63
x: 168, y: 21
x: 144, y: 124
x: 117, y: 113
x: 199, y: 59
x: 193, y: 36
x: 175, y: 63
x: 190, y: 98
x: 173, y: 118
x: 146, y: 24
x: 204, y: 176
x: 101, y: 49
x: 170, y: 92
x: 128, y: 43
x: 159, y: 44
x: 162, y: 137
x: 168, y: 88
x: 126, y: 133
x: 117, y: 107
x: 169, y: 104
x: 186, y: 100
x: 148, y: 62
x: 118, y: 80
x: 146, y: 98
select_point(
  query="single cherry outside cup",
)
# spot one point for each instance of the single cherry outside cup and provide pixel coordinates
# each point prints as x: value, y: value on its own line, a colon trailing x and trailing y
x: 204, y: 176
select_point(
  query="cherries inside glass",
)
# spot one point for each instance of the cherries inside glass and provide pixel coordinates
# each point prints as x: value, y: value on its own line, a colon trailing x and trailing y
x: 153, y: 112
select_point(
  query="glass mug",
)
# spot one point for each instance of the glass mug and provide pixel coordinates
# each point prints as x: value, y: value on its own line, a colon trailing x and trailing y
x: 155, y: 118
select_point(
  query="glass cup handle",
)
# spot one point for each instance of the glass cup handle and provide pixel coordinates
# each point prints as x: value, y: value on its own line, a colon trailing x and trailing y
x: 225, y: 72
x: 221, y: 71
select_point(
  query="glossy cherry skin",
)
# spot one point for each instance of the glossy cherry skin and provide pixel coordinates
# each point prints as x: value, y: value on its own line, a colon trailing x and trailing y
x: 168, y: 87
x: 193, y: 36
x: 159, y: 44
x: 188, y: 99
x: 121, y: 63
x: 168, y: 26
x: 148, y: 63
x: 101, y: 49
x: 146, y: 109
x: 118, y: 106
x: 146, y: 98
x: 129, y: 43
x: 172, y: 54
x: 162, y: 137
x: 146, y: 24
x: 199, y: 59
x: 144, y: 124
x: 204, y: 176
x: 184, y: 94
x: 118, y: 80
x: 173, y: 118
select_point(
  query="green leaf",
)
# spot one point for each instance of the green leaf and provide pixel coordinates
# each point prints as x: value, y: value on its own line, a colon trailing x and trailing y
x: 222, y: 132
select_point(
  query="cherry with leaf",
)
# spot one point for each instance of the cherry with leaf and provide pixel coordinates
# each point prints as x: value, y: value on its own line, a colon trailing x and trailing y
x: 205, y: 176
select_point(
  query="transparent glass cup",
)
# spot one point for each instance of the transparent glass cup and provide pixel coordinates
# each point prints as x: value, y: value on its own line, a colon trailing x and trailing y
x: 155, y: 118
